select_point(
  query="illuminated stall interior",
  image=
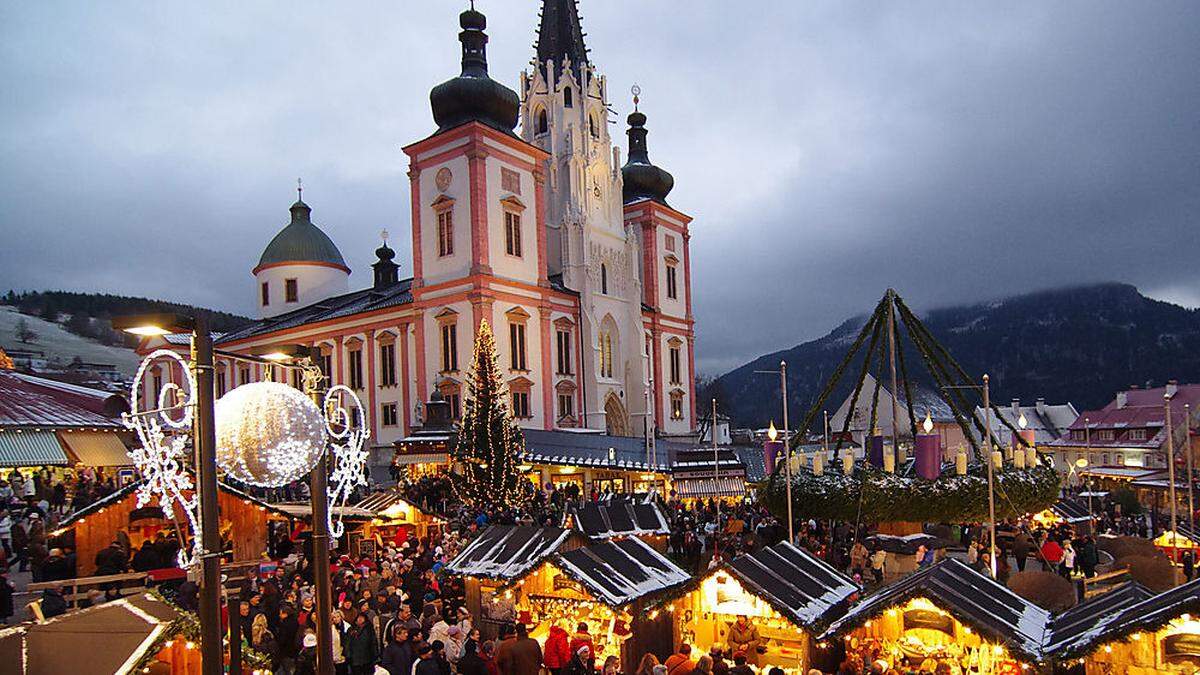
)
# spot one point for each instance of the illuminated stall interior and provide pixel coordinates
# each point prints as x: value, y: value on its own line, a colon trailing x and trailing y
x: 605, y: 585
x: 395, y: 519
x: 947, y: 613
x: 499, y: 556
x: 1158, y: 635
x: 613, y: 516
x: 784, y: 591
x: 1175, y: 542
x: 1064, y: 512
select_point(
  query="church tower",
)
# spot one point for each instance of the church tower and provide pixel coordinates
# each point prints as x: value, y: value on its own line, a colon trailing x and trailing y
x: 564, y: 111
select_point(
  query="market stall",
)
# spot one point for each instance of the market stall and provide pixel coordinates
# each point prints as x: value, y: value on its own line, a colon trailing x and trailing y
x: 612, y: 516
x: 605, y: 586
x: 500, y: 555
x: 904, y: 551
x: 394, y: 518
x: 1159, y: 635
x: 1073, y: 629
x: 784, y: 593
x: 946, y: 614
x: 1175, y: 542
x: 1064, y: 512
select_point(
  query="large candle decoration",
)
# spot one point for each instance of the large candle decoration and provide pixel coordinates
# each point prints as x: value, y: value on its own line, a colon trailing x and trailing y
x: 772, y: 447
x: 960, y: 462
x: 1018, y: 459
x: 997, y: 459
x: 848, y: 462
x: 819, y: 464
x: 1031, y: 458
x: 889, y: 462
x: 875, y: 455
x: 929, y: 452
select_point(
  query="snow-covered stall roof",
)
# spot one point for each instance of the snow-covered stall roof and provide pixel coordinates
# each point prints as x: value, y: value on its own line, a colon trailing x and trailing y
x: 507, y: 551
x: 907, y: 544
x: 796, y: 583
x: 1076, y: 626
x: 1071, y: 511
x: 1149, y: 614
x: 622, y: 571
x: 972, y: 598
x: 621, y: 516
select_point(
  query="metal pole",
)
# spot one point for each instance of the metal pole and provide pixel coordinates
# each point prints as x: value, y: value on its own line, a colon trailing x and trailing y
x: 205, y: 440
x: 1187, y: 449
x: 987, y: 431
x: 787, y: 452
x: 712, y: 430
x: 1087, y: 440
x: 1170, y: 466
x: 892, y: 360
x: 319, y: 495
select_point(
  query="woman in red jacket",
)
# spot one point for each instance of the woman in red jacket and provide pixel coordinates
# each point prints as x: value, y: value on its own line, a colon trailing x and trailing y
x: 557, y: 653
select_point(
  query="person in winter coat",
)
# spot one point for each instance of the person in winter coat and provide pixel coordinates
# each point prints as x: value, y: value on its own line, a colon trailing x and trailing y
x: 1022, y: 547
x: 522, y: 656
x: 361, y: 647
x: 397, y: 657
x: 743, y: 637
x: 583, y: 638
x: 306, y: 662
x: 681, y: 663
x: 6, y: 596
x: 558, y: 650
x: 471, y: 663
x: 263, y: 640
x: 579, y: 663
x: 858, y: 558
x: 1067, y: 566
x: 1088, y: 557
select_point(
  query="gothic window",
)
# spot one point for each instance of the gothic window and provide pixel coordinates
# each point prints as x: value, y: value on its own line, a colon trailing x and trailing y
x: 568, y: 100
x: 592, y: 126
x: 606, y: 354
x: 512, y: 233
x: 266, y: 294
x: 543, y: 124
x: 604, y: 278
x: 445, y: 225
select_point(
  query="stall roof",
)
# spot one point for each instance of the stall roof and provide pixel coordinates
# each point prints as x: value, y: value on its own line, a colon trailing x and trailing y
x: 706, y: 488
x: 621, y: 453
x: 622, y: 571
x: 378, y: 502
x: 973, y: 598
x: 906, y: 544
x: 621, y: 516
x: 507, y: 551
x: 304, y: 510
x: 1150, y: 614
x: 97, y: 448
x: 107, y: 638
x: 1074, y: 627
x: 796, y: 583
x: 1071, y: 511
x: 31, y: 448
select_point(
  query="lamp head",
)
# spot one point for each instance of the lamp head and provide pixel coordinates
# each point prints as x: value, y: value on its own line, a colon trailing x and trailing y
x: 1081, y: 462
x: 1022, y: 422
x: 281, y: 353
x: 927, y: 425
x: 772, y: 432
x: 154, y: 324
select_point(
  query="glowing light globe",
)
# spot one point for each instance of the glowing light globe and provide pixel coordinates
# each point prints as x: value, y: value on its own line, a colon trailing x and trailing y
x: 268, y: 434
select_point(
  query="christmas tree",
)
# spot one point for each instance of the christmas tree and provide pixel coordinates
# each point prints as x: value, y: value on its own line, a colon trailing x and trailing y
x: 490, y: 443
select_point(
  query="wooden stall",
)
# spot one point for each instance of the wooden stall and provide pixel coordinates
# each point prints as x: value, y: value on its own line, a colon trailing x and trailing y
x: 784, y: 593
x: 614, y: 516
x: 500, y: 555
x: 947, y: 615
x: 606, y: 586
x: 1178, y: 541
x: 394, y: 518
x: 904, y: 551
x: 1065, y: 512
x: 1156, y: 635
x: 118, y: 518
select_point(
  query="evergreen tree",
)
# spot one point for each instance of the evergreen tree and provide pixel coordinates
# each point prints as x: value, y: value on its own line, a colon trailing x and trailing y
x: 490, y: 444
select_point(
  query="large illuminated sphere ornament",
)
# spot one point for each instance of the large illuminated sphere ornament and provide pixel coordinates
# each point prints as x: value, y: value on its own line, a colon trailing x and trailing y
x: 268, y: 434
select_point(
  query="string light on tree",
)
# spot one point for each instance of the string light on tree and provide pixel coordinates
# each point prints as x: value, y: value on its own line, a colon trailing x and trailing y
x: 490, y: 443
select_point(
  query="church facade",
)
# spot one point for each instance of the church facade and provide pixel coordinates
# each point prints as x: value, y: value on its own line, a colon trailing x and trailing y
x: 523, y: 215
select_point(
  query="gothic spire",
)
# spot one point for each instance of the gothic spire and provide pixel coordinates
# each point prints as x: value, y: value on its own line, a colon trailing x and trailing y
x: 561, y: 34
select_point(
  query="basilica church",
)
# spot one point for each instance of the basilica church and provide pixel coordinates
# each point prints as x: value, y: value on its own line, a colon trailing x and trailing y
x: 523, y: 215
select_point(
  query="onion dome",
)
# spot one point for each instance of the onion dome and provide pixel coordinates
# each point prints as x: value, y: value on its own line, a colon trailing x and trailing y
x: 643, y: 180
x: 473, y: 96
x: 386, y: 271
x: 302, y: 242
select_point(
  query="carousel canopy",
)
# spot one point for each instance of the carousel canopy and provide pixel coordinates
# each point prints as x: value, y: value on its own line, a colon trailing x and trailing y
x: 622, y: 571
x: 1150, y: 614
x: 970, y: 597
x: 1075, y: 627
x: 621, y: 516
x: 796, y: 583
x: 507, y: 551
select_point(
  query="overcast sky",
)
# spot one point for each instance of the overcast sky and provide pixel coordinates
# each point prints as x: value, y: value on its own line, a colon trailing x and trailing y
x: 957, y: 151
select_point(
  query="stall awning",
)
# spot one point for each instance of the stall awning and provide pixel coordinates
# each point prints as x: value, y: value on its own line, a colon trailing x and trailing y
x: 622, y: 571
x: 796, y: 583
x: 703, y: 488
x: 621, y: 516
x: 427, y: 458
x: 31, y: 448
x: 97, y: 448
x: 507, y: 551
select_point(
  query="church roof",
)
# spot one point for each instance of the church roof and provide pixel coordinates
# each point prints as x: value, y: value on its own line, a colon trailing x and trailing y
x: 473, y: 96
x: 301, y: 241
x: 560, y: 33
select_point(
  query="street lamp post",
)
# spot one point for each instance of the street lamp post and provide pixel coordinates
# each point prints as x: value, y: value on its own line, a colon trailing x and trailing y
x: 1170, y: 466
x: 204, y: 441
x: 991, y: 471
x: 1087, y: 444
x: 1187, y: 449
x: 787, y: 444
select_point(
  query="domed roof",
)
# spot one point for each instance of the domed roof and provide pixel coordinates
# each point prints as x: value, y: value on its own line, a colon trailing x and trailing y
x: 642, y: 179
x: 301, y: 242
x: 473, y: 96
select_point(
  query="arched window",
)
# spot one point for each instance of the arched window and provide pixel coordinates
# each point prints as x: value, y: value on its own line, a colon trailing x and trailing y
x: 567, y: 98
x: 592, y: 126
x: 604, y: 278
x: 543, y: 124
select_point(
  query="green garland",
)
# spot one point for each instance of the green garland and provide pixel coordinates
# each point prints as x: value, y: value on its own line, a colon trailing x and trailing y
x: 187, y: 625
x: 888, y: 497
